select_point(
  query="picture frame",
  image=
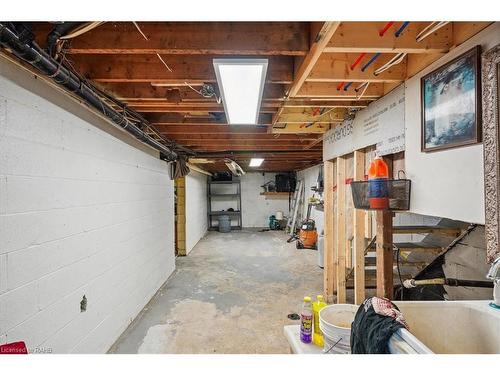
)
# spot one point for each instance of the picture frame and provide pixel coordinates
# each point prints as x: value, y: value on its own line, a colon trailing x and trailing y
x: 491, y: 132
x: 451, y: 103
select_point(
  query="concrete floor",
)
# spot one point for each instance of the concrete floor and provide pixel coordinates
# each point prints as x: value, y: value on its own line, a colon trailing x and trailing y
x: 231, y: 294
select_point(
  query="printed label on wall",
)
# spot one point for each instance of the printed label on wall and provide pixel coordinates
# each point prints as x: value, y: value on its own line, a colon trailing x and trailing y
x: 380, y: 124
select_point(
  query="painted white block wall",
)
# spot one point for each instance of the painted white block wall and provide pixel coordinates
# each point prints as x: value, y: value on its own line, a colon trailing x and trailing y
x: 256, y: 208
x: 81, y: 213
x: 447, y: 183
x: 196, y: 208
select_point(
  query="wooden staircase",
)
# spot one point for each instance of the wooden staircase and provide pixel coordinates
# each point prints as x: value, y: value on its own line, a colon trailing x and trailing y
x: 409, y: 257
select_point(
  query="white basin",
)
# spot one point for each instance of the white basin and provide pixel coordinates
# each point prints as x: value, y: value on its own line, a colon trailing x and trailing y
x: 454, y: 327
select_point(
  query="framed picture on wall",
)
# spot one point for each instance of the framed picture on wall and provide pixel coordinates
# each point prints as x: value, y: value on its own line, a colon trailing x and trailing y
x: 451, y: 103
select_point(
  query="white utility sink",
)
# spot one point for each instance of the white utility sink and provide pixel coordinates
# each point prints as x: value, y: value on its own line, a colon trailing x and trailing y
x: 453, y: 327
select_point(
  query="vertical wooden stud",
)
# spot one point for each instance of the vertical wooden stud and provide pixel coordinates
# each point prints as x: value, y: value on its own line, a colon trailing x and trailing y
x: 384, y: 249
x: 385, y: 254
x: 329, y: 266
x: 340, y: 227
x: 359, y: 234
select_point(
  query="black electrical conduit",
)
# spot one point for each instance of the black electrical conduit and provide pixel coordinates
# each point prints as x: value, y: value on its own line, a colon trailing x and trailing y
x: 64, y: 77
x: 58, y: 31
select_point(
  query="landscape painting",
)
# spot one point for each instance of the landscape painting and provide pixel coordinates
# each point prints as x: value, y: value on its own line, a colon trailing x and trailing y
x: 450, y: 105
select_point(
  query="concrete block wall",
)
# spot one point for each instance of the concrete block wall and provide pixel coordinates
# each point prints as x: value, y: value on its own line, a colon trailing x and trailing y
x: 81, y: 213
x: 196, y: 208
x: 255, y: 208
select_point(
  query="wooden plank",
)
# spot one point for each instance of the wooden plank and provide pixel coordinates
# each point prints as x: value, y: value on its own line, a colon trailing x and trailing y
x: 298, y: 103
x: 193, y: 128
x: 244, y: 142
x: 146, y: 91
x: 364, y: 37
x: 429, y: 229
x: 329, y: 90
x: 335, y: 67
x: 359, y: 234
x: 340, y: 226
x: 385, y: 255
x: 323, y: 37
x: 179, y: 119
x: 297, y: 118
x: 300, y: 128
x: 195, y: 38
x: 183, y: 68
x: 247, y: 137
x: 329, y: 266
x: 259, y: 148
x: 463, y: 31
x: 384, y: 248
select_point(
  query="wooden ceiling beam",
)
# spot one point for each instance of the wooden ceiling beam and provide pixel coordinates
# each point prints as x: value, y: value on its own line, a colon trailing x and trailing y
x: 193, y: 69
x: 320, y: 42
x: 211, y: 105
x: 364, y: 37
x: 239, y: 136
x: 145, y: 91
x: 209, y: 129
x: 335, y: 67
x: 326, y: 89
x: 179, y: 119
x: 196, y: 38
x: 242, y: 142
x: 301, y: 115
x: 300, y: 128
x: 153, y: 108
x: 245, y: 148
x: 297, y: 103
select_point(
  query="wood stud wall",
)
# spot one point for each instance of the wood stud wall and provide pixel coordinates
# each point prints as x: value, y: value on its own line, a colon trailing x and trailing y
x: 348, y: 230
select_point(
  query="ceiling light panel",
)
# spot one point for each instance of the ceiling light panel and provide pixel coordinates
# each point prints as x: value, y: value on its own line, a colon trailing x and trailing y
x: 241, y: 84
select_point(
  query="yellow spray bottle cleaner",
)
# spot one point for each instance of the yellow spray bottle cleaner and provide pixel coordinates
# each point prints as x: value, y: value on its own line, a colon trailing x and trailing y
x: 316, y: 307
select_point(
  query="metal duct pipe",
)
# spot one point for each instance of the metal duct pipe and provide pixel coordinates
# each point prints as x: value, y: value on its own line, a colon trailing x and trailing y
x: 64, y: 77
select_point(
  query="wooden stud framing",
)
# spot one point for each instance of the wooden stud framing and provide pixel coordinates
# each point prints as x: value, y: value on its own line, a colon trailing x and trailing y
x: 384, y: 249
x: 329, y: 247
x: 340, y: 227
x: 359, y: 234
x: 322, y: 39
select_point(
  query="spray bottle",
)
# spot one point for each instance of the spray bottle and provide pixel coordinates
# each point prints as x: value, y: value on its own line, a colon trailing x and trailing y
x: 316, y: 308
x: 306, y: 321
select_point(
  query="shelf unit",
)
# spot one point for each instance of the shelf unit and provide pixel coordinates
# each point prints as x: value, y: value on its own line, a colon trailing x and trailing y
x: 275, y: 194
x: 224, y: 196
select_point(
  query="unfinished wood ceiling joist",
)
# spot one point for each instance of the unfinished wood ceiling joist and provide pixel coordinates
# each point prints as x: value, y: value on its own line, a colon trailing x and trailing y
x: 364, y: 37
x: 195, y: 38
x: 311, y: 83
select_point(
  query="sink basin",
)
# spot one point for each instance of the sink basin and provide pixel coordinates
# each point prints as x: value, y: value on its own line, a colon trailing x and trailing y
x: 451, y: 327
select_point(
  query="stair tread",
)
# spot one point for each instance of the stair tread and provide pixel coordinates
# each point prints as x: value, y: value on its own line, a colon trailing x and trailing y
x: 413, y: 246
x: 416, y: 245
x: 408, y: 229
x: 372, y: 261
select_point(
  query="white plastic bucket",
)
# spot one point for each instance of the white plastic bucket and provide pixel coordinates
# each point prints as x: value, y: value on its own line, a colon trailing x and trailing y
x: 279, y: 215
x: 335, y: 323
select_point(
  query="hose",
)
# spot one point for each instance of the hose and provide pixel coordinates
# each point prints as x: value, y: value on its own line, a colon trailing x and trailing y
x: 412, y: 283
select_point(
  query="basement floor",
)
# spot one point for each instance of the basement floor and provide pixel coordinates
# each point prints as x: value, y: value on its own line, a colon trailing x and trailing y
x: 231, y: 294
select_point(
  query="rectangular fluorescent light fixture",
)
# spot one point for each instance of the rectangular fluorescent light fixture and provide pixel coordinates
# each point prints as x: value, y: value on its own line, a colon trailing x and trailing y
x: 241, y: 84
x: 256, y: 162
